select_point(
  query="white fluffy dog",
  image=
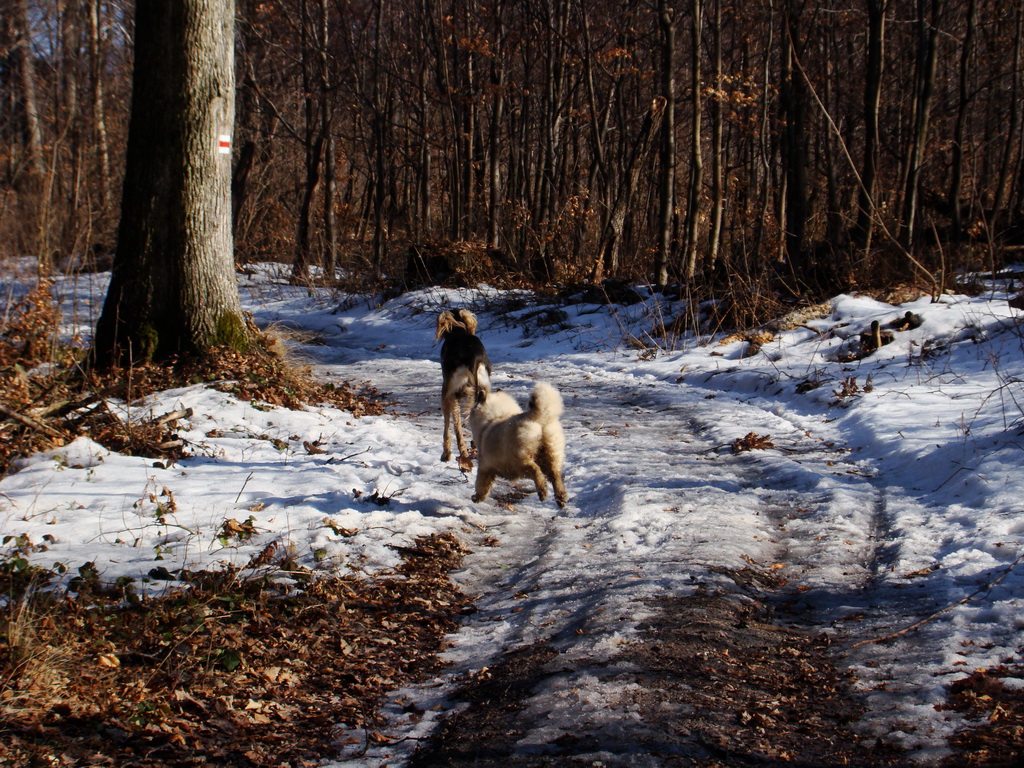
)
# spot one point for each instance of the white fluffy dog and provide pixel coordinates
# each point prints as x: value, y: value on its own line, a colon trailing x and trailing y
x: 515, y: 444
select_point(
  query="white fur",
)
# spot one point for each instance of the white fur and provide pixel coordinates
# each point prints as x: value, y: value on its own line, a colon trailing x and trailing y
x: 516, y: 444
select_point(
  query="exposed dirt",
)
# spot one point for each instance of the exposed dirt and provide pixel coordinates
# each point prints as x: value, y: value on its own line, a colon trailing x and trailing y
x: 719, y: 684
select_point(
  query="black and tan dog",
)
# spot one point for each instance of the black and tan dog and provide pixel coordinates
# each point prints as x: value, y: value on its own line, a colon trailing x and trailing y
x: 465, y: 372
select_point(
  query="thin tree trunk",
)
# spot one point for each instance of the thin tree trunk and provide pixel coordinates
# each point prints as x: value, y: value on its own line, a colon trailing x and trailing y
x: 1012, y: 138
x: 99, y: 109
x: 330, y: 186
x: 494, y: 150
x: 422, y: 224
x: 667, y: 201
x: 834, y: 229
x: 696, y: 153
x: 379, y: 135
x: 872, y: 97
x: 959, y: 130
x: 717, y: 147
x: 30, y: 104
x: 313, y: 140
x: 927, y: 58
x: 793, y: 103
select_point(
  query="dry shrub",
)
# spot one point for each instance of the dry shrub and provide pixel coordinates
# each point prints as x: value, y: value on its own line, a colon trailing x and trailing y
x: 28, y: 336
x: 743, y: 307
x: 752, y: 442
x: 458, y: 264
x: 35, y: 666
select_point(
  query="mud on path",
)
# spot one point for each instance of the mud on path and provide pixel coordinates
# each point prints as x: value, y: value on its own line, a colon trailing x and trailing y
x: 711, y: 684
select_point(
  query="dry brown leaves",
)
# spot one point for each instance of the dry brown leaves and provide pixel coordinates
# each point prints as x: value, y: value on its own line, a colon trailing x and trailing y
x: 752, y: 442
x: 999, y: 741
x: 255, y: 671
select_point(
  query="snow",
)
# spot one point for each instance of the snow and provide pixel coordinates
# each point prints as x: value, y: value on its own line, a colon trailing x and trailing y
x: 892, y: 493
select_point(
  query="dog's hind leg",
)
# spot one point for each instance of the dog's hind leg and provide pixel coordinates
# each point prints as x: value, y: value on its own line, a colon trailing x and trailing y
x: 460, y: 440
x: 532, y: 469
x: 556, y: 481
x: 552, y: 468
x: 446, y: 409
x: 484, y: 482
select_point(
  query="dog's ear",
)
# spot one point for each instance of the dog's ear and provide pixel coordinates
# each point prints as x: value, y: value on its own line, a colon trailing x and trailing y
x: 445, y: 321
x: 468, y: 320
x: 481, y: 396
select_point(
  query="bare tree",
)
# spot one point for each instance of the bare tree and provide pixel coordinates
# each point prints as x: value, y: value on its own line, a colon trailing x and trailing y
x: 519, y: 126
x: 696, y: 151
x: 22, y: 48
x: 927, y: 56
x: 99, y: 107
x: 793, y: 106
x: 667, y: 202
x: 960, y: 129
x: 173, y: 288
x: 1012, y: 142
x: 876, y: 10
x: 717, y: 144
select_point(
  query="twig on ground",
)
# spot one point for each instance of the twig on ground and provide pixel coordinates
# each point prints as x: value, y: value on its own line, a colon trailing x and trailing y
x: 28, y: 421
x: 917, y: 625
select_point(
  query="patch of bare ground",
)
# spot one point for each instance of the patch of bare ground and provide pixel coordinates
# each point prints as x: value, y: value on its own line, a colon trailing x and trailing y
x: 719, y: 685
x: 268, y: 669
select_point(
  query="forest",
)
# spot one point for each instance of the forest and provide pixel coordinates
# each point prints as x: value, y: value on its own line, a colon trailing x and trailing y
x: 796, y: 146
x: 792, y: 531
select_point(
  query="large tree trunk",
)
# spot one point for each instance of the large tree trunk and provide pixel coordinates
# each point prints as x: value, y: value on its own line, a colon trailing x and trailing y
x: 173, y: 287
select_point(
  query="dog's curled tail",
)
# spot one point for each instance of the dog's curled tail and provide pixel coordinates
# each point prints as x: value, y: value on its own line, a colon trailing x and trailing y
x: 481, y: 382
x: 545, y: 404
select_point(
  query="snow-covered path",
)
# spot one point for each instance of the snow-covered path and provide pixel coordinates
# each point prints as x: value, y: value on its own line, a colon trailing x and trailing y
x: 660, y: 505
